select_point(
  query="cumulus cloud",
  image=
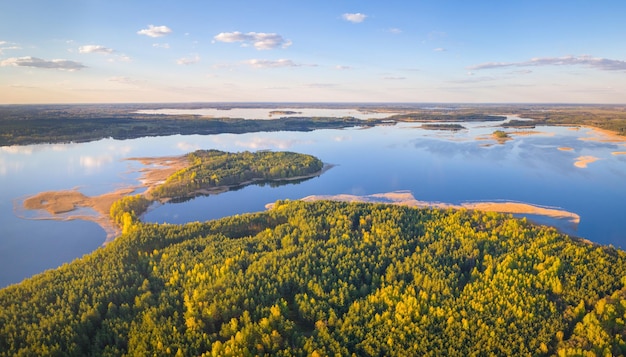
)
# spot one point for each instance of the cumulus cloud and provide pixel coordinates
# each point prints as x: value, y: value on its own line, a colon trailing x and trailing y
x: 354, y: 18
x: 189, y: 60
x: 280, y: 63
x: 95, y: 49
x: 260, y: 40
x: 155, y: 31
x: 29, y: 61
x: 604, y: 64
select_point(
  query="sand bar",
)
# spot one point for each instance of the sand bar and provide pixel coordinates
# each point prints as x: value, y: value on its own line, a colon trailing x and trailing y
x: 603, y: 135
x: 407, y: 199
x: 59, y: 205
x: 583, y: 161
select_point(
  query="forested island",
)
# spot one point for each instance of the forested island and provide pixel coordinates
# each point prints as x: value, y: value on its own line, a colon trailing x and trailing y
x: 451, y: 127
x: 327, y: 278
x: 212, y: 171
x: 202, y: 172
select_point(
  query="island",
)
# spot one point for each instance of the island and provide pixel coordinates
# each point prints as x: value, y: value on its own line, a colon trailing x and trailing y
x: 451, y: 127
x: 283, y: 112
x: 214, y: 171
x: 500, y: 136
x: 203, y: 172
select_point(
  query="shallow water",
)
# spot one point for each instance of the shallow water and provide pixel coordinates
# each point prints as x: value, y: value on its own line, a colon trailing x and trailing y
x: 441, y: 166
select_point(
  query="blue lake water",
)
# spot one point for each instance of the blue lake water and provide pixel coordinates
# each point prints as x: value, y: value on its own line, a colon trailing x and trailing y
x: 442, y: 166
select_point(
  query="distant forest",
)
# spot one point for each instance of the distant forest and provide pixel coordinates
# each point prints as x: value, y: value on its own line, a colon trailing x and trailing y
x: 327, y: 278
x: 34, y: 124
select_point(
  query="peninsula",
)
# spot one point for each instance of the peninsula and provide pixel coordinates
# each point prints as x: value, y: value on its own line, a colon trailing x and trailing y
x: 203, y: 172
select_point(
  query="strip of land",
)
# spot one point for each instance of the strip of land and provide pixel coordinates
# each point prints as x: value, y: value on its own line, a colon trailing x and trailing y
x: 59, y: 205
x: 407, y: 199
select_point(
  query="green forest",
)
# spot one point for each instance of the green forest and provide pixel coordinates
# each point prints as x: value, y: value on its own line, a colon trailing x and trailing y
x: 209, y: 170
x: 327, y: 278
x: 215, y: 169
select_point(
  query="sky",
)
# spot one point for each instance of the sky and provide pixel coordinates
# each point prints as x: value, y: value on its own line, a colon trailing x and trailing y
x: 485, y: 51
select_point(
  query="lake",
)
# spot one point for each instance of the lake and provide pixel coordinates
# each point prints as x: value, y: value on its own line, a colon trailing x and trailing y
x: 271, y: 113
x: 434, y: 165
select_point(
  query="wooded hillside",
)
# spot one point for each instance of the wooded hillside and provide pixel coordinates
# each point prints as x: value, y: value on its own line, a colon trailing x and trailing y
x: 327, y: 278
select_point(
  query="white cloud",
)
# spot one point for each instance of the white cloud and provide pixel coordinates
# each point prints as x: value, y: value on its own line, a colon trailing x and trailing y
x: 604, y: 64
x: 95, y: 49
x: 155, y: 31
x: 161, y: 45
x: 321, y: 85
x: 124, y: 58
x: 342, y: 68
x: 125, y: 80
x: 354, y: 18
x: 29, y: 61
x: 391, y: 78
x: 260, y: 40
x: 188, y: 61
x: 439, y: 49
x: 261, y: 63
x: 4, y: 45
x: 394, y: 30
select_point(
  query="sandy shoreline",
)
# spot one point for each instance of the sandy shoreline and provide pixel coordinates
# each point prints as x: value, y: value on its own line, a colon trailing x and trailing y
x: 60, y: 204
x: 407, y: 199
x: 603, y: 135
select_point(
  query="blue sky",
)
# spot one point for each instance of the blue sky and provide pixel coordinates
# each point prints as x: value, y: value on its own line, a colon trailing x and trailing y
x: 88, y: 51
